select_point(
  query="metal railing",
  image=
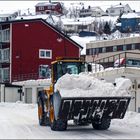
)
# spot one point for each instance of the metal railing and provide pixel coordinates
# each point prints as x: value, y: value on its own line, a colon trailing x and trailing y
x: 110, y: 60
x: 23, y: 77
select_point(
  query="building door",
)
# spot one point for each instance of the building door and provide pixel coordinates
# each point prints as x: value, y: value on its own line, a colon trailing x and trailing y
x: 28, y: 95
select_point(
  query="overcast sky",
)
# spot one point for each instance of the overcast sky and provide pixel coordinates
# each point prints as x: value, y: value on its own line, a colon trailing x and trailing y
x: 16, y: 5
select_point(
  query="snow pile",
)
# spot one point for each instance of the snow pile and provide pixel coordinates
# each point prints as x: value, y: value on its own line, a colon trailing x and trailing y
x: 97, y: 67
x: 131, y: 119
x: 83, y: 85
x: 123, y: 85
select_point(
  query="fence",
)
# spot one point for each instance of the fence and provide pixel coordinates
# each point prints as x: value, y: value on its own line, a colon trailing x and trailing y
x: 124, y: 59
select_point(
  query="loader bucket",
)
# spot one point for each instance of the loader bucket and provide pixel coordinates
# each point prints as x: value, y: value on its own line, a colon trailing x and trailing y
x: 88, y: 108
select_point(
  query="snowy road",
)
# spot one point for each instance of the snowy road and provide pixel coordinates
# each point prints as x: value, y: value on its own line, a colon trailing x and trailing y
x: 19, y: 121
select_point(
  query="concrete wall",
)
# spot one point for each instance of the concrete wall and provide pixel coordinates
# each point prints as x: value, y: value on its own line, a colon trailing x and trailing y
x: 133, y: 75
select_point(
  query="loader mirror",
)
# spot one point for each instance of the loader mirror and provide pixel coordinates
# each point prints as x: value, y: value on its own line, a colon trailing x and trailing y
x: 89, y: 68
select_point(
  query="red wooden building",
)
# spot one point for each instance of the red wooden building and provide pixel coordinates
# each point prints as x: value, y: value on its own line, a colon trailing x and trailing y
x: 47, y: 7
x: 27, y: 48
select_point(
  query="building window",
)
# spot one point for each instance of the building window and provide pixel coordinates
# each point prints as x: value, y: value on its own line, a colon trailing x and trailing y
x: 46, y: 54
x: 5, y: 74
x: 49, y: 7
x: 124, y: 47
x: 41, y: 8
x: 0, y: 36
x: 93, y: 51
x: 133, y: 47
x: 97, y: 51
x: 6, y: 54
x: 104, y: 50
x: 5, y: 35
x: 87, y: 51
x: 114, y: 48
x: 0, y: 54
x: 109, y: 49
x: 44, y: 71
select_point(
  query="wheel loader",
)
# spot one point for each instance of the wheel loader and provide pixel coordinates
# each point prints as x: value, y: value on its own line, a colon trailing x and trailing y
x: 55, y: 111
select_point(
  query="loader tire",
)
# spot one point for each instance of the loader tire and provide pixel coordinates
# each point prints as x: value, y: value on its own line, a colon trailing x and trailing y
x: 104, y: 124
x: 42, y: 115
x: 56, y: 125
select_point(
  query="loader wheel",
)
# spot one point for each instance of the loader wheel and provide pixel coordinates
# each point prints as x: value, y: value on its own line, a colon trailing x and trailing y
x: 42, y: 115
x: 104, y: 124
x: 56, y: 125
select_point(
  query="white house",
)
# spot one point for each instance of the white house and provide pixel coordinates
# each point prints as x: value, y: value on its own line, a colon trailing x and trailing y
x: 97, y: 12
x: 116, y: 10
x: 91, y: 11
x: 10, y: 15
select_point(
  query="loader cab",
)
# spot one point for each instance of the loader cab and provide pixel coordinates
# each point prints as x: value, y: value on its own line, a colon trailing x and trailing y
x: 61, y: 67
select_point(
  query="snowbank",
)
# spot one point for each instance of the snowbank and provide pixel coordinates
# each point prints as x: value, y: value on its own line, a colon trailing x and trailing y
x: 83, y: 85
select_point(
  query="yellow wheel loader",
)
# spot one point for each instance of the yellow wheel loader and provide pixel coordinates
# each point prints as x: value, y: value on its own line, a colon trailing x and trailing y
x: 55, y: 111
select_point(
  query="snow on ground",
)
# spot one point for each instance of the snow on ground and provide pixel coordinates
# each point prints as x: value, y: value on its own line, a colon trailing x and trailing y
x: 20, y: 121
x: 83, y: 85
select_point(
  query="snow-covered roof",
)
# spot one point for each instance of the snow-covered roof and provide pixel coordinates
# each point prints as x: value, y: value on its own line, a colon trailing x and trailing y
x: 8, y: 13
x: 39, y: 82
x: 45, y: 16
x: 118, y: 6
x: 46, y: 3
x: 83, y: 41
x: 131, y: 15
x: 42, y: 3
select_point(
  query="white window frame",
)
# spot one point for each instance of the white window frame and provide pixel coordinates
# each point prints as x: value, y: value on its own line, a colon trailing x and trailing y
x: 45, y: 56
x: 41, y: 8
